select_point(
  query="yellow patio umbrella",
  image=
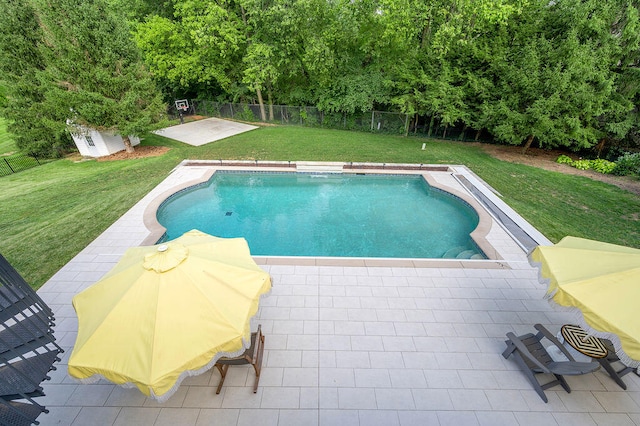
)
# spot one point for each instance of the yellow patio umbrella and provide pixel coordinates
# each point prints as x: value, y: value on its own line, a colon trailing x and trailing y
x: 166, y: 312
x: 602, y: 281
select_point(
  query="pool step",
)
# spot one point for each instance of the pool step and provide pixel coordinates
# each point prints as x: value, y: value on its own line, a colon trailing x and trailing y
x: 454, y: 252
x: 466, y: 254
x: 313, y: 166
x: 461, y: 252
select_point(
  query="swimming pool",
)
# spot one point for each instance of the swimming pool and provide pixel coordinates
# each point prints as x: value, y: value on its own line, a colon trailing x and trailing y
x: 334, y: 215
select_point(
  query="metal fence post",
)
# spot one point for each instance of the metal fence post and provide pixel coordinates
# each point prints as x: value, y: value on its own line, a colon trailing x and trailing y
x: 10, y: 168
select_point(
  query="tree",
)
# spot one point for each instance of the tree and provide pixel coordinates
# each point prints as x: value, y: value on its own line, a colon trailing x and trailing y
x: 99, y: 79
x: 37, y: 127
x: 201, y: 47
x: 555, y: 79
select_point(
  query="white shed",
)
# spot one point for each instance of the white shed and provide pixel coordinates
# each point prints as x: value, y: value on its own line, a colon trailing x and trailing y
x: 92, y: 143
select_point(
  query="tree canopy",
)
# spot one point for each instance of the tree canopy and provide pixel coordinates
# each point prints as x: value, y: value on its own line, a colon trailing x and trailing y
x: 561, y: 73
x: 73, y: 62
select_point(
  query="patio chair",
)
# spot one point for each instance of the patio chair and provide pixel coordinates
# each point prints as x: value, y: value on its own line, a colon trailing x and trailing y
x: 612, y: 358
x: 252, y: 356
x: 533, y: 359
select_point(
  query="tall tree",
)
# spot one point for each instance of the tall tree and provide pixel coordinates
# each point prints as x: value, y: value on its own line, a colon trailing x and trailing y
x: 37, y: 126
x: 100, y: 80
x: 555, y: 79
x: 201, y: 47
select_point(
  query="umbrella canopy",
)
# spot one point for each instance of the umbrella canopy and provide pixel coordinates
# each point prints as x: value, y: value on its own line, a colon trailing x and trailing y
x: 601, y: 280
x: 166, y: 312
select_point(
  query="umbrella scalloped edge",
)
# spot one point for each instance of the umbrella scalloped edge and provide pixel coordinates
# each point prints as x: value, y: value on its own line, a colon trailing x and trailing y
x: 541, y: 278
x: 187, y: 373
x: 617, y: 345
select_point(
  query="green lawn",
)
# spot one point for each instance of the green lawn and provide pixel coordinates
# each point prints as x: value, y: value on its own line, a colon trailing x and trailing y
x: 7, y: 145
x: 49, y: 213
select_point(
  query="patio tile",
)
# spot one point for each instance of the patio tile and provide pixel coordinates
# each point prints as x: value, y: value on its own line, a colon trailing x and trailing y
x: 443, y: 379
x: 56, y: 394
x: 432, y: 399
x: 618, y: 419
x: 581, y: 401
x: 121, y: 397
x: 366, y: 343
x: 201, y: 397
x: 478, y: 379
x: 575, y: 419
x: 617, y: 402
x: 59, y: 416
x: 328, y: 398
x: 496, y: 418
x: 506, y: 400
x: 457, y: 418
x: 280, y: 397
x: 377, y: 378
x: 235, y: 397
x: 337, y: 377
x: 280, y: 358
x: 300, y: 377
x: 309, y: 398
x: 298, y: 417
x: 352, y: 359
x: 137, y: 416
x: 262, y: 417
x: 417, y: 418
x: 378, y: 417
x: 90, y: 395
x: 469, y: 399
x: 177, y: 416
x: 339, y: 417
x: 96, y: 416
x: 356, y: 398
x: 223, y: 416
x: 388, y: 359
x: 407, y: 378
x: 394, y: 399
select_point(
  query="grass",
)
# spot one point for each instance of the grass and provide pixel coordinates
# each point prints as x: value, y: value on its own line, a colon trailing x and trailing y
x: 50, y: 213
x: 7, y: 145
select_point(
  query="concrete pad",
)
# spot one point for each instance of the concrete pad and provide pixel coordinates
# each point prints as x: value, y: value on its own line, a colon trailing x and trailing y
x: 202, y: 132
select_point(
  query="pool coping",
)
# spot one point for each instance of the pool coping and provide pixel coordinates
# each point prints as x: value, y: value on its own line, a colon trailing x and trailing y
x: 479, y: 234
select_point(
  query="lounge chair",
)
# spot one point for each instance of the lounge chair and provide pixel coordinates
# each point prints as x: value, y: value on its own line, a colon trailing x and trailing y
x: 252, y: 356
x: 533, y: 359
x: 612, y: 358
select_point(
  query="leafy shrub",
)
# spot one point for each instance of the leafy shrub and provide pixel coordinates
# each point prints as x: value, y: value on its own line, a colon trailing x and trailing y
x: 582, y: 164
x: 564, y: 159
x: 246, y: 114
x: 628, y: 165
x: 603, y: 166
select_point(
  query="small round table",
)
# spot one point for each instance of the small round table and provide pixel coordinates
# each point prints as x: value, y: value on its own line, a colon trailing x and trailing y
x: 579, y: 340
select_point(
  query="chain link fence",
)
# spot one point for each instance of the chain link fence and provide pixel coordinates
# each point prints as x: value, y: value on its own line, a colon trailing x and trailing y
x: 372, y: 121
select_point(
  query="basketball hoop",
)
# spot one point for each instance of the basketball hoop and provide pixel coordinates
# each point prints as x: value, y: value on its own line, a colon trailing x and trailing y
x: 182, y: 105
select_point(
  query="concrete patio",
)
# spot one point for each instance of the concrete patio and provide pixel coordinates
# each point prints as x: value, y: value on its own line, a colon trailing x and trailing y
x: 351, y: 344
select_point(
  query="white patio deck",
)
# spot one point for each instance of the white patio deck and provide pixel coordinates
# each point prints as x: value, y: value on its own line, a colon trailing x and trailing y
x: 351, y: 345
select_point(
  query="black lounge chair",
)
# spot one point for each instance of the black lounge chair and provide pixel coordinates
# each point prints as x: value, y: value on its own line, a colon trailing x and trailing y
x: 533, y: 359
x: 252, y: 356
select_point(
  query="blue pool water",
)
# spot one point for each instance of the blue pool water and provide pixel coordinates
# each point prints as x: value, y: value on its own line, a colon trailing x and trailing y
x: 336, y: 215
